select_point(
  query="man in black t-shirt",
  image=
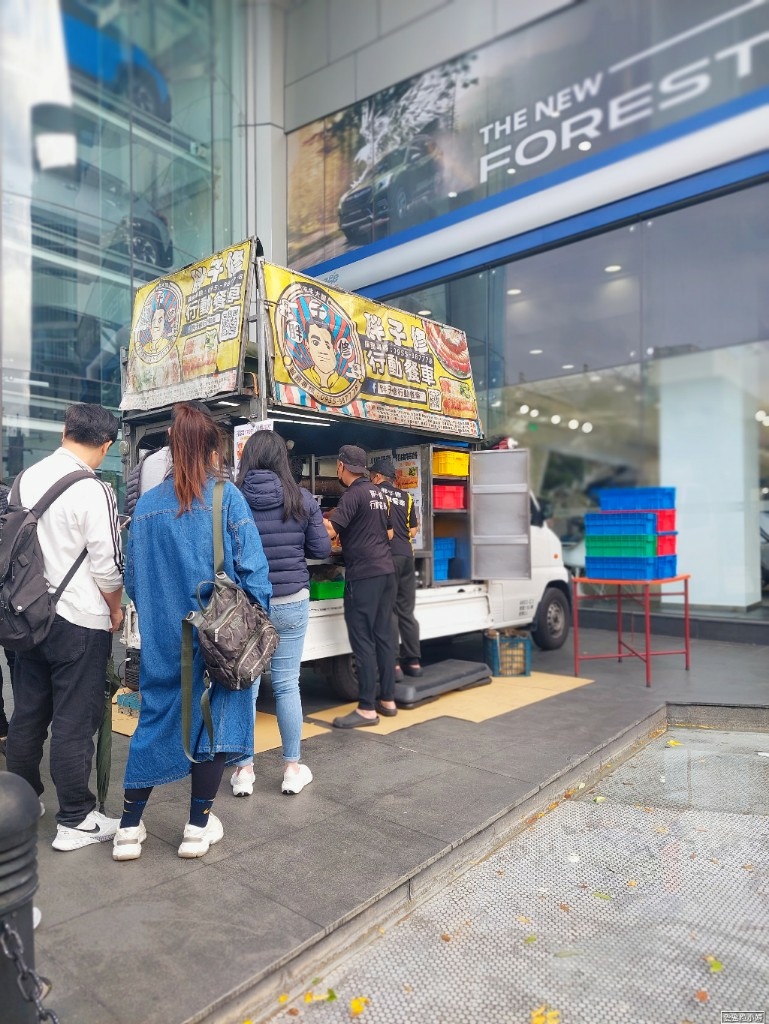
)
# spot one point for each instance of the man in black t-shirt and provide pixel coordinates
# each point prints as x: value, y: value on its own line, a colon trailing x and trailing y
x: 361, y: 521
x: 405, y: 525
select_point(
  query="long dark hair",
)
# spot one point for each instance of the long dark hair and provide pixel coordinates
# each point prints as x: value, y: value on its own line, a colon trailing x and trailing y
x: 196, y: 443
x: 267, y: 450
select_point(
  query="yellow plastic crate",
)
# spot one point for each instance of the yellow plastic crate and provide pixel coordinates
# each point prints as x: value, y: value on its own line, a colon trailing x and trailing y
x: 451, y: 463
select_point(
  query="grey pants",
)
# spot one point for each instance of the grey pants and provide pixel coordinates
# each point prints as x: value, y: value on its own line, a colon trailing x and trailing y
x: 404, y: 622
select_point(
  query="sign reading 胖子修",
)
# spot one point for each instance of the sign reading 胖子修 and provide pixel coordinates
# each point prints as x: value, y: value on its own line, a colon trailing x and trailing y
x: 347, y: 355
x: 187, y: 332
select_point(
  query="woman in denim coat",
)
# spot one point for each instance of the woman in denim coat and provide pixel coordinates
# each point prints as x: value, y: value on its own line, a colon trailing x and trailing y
x: 170, y: 551
x: 291, y: 527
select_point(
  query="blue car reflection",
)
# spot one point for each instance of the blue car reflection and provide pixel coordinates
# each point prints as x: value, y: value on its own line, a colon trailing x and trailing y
x: 105, y: 56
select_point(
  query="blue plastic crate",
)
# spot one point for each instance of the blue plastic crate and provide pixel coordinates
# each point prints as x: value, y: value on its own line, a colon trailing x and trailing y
x: 659, y: 568
x: 445, y: 547
x: 637, y: 498
x: 620, y: 524
x: 441, y: 569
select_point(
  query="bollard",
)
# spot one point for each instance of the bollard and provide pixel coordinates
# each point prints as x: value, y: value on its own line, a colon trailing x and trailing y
x: 21, y: 990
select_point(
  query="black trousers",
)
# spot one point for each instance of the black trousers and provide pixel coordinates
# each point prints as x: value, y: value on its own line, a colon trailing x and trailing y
x: 404, y: 622
x: 60, y: 683
x: 368, y: 611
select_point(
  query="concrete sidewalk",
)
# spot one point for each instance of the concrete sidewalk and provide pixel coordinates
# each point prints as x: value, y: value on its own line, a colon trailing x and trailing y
x: 390, y: 818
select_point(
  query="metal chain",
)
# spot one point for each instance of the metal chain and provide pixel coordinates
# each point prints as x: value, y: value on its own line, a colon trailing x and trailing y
x: 33, y: 987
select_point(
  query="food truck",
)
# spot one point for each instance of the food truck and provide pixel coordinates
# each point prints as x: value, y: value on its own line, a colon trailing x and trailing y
x: 267, y: 348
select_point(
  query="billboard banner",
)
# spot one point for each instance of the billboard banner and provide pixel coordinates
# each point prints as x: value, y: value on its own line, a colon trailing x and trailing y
x: 347, y: 355
x: 544, y: 99
x: 187, y: 332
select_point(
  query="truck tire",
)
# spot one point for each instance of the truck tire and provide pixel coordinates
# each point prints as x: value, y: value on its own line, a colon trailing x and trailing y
x: 552, y: 622
x: 343, y: 678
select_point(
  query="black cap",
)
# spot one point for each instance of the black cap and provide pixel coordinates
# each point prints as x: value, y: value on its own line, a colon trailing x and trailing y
x: 384, y: 465
x: 352, y: 458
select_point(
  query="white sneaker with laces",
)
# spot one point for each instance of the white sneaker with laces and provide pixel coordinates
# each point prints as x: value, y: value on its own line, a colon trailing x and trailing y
x: 197, y: 839
x: 296, y: 781
x: 242, y: 781
x: 95, y: 828
x: 127, y: 844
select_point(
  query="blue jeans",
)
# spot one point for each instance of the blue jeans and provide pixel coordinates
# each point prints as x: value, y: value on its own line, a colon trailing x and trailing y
x: 290, y: 620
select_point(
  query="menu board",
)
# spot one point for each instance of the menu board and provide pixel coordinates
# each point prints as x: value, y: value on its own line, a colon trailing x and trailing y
x: 187, y: 332
x: 347, y: 355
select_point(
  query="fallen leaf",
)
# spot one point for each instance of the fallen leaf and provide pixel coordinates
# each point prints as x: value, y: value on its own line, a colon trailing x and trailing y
x: 715, y: 965
x: 714, y: 861
x: 315, y: 981
x: 529, y: 939
x: 522, y: 920
x: 602, y: 895
x: 283, y: 998
x: 748, y: 867
x: 582, y: 885
x: 553, y: 805
x: 662, y: 829
x: 544, y: 1015
x: 569, y: 794
x: 358, y: 1005
x: 331, y: 996
x: 673, y: 743
x: 293, y: 1012
x: 599, y: 799
x: 446, y: 937
x: 569, y: 952
x: 308, y: 997
x: 582, y: 784
x: 407, y: 987
x: 564, y: 907
x: 701, y: 995
x: 632, y: 883
x: 649, y: 810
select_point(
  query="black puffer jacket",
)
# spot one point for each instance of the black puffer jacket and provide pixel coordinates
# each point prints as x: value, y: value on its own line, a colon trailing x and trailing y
x: 288, y: 544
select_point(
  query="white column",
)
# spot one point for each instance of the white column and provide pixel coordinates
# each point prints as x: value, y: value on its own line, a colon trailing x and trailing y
x: 708, y: 444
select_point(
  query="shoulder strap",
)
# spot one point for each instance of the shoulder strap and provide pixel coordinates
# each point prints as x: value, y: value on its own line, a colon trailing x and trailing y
x: 218, y: 527
x: 56, y: 490
x: 205, y: 704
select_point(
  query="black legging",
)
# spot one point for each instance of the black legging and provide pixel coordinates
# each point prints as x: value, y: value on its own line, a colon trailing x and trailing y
x: 206, y: 779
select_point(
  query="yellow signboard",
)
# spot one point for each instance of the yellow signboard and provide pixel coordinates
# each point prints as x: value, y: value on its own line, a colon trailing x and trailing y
x: 187, y: 332
x: 348, y: 355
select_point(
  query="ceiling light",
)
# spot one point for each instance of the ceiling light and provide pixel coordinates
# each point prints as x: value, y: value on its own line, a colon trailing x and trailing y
x: 619, y: 388
x: 424, y: 312
x: 535, y: 351
x: 585, y: 145
x: 452, y: 195
x: 556, y: 419
x: 513, y: 291
x: 650, y: 351
x: 595, y: 378
x: 524, y: 409
x: 511, y: 170
x: 573, y: 424
x: 760, y: 415
x: 587, y: 427
x: 568, y: 366
x: 612, y: 268
x: 534, y: 413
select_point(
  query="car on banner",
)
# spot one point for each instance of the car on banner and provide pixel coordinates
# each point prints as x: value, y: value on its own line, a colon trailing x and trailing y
x: 381, y: 202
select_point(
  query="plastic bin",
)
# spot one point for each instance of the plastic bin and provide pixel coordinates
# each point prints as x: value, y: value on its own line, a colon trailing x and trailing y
x: 444, y: 548
x: 326, y: 590
x: 666, y: 518
x: 615, y: 524
x: 637, y: 498
x: 507, y: 652
x: 451, y: 463
x: 449, y: 496
x: 441, y: 569
x: 631, y: 546
x: 659, y: 568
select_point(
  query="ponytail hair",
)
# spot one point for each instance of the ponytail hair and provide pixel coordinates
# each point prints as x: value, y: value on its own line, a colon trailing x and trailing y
x: 195, y: 441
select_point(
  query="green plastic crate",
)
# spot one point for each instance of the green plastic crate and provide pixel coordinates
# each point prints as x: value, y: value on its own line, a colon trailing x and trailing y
x: 326, y: 590
x: 631, y: 546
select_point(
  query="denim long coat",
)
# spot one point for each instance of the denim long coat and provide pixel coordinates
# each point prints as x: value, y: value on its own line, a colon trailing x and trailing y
x: 167, y: 557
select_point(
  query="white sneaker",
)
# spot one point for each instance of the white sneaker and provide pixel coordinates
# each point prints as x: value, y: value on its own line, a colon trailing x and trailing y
x: 296, y: 781
x: 95, y: 828
x: 197, y: 839
x: 242, y: 781
x: 42, y: 808
x: 37, y: 917
x: 127, y: 844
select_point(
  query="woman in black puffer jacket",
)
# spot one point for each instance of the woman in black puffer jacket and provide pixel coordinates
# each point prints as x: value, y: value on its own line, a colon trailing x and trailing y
x: 291, y: 528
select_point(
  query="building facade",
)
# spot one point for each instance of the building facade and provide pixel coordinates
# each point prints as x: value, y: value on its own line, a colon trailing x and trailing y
x: 580, y: 185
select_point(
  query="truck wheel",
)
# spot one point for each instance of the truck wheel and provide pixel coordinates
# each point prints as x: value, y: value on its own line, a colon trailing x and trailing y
x: 343, y: 678
x: 551, y: 626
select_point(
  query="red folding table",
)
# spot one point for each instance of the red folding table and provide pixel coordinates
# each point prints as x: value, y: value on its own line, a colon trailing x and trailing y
x: 640, y: 597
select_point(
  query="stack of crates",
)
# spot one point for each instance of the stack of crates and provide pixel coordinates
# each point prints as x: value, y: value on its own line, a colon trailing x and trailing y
x: 633, y: 537
x: 444, y: 549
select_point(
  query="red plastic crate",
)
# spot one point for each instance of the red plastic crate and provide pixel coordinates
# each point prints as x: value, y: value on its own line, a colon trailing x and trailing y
x: 666, y: 517
x: 666, y: 543
x: 449, y: 496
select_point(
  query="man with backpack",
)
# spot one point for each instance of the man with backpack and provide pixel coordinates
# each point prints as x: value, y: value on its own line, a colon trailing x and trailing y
x: 59, y: 679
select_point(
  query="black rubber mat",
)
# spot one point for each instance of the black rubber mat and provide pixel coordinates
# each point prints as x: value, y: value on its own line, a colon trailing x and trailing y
x: 439, y: 678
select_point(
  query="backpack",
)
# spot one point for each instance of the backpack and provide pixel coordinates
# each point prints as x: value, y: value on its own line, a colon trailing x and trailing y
x: 235, y: 636
x: 27, y: 609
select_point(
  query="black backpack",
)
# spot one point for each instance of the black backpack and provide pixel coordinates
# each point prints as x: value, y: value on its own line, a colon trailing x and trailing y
x: 27, y: 609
